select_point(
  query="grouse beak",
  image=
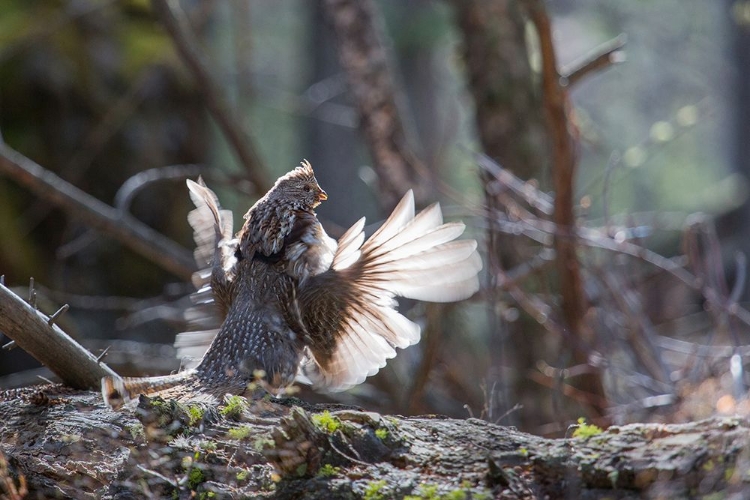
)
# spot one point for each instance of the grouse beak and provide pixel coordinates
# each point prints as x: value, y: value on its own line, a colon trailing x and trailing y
x: 322, y: 196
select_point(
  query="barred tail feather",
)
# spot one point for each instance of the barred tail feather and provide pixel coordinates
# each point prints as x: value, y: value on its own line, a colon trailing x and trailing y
x: 118, y: 391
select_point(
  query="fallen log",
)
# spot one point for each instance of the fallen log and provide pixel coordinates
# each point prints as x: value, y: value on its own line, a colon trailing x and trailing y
x: 62, y: 443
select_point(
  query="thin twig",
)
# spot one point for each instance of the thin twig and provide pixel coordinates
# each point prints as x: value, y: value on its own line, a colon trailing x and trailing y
x: 644, y: 348
x: 612, y: 163
x: 702, y: 350
x: 740, y: 277
x: 568, y: 390
x: 32, y: 293
x: 537, y: 199
x: 532, y: 227
x: 52, y: 319
x: 159, y: 476
x: 116, y: 303
x: 435, y: 316
x: 100, y: 357
x: 601, y: 57
x: 127, y: 230
x: 177, y: 26
x: 563, y: 173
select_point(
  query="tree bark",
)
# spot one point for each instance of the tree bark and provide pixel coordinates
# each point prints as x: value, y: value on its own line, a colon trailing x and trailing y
x: 67, y: 444
x: 564, y: 162
x: 510, y: 124
x: 363, y: 57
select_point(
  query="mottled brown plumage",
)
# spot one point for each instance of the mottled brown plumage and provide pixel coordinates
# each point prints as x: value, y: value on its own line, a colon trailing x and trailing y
x: 292, y: 303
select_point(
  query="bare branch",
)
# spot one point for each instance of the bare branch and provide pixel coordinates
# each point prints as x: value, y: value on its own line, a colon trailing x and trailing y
x: 537, y: 199
x: 564, y: 163
x: 131, y: 187
x: 177, y: 26
x: 125, y: 229
x: 601, y: 57
x: 47, y: 343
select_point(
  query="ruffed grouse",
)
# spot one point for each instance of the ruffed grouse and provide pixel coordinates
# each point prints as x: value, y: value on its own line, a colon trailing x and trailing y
x: 294, y: 304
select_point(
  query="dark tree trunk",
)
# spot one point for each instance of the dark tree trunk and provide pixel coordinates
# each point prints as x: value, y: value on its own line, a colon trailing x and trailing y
x: 510, y: 123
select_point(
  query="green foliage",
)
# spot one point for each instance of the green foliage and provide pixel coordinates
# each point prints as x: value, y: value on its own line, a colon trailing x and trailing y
x: 381, y: 433
x: 137, y: 431
x: 261, y: 444
x: 454, y: 495
x: 328, y: 470
x: 195, y: 478
x: 195, y: 475
x: 195, y: 413
x: 234, y: 407
x: 243, y: 475
x: 326, y: 422
x: 585, y: 430
x: 208, y: 445
x: 373, y: 491
x: 301, y: 470
x: 430, y: 492
x: 239, y: 433
x: 424, y: 492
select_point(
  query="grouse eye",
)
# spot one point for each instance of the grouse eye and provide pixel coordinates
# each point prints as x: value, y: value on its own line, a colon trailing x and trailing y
x: 307, y: 188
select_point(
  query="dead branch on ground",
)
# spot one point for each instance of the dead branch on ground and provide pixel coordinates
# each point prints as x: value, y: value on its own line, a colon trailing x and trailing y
x: 38, y: 335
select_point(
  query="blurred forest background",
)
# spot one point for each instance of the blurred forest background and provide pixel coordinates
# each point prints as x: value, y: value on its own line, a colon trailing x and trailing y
x: 609, y: 196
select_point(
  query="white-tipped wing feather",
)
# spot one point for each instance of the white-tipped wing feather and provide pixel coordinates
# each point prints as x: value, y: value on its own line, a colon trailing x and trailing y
x: 210, y: 223
x: 350, y: 310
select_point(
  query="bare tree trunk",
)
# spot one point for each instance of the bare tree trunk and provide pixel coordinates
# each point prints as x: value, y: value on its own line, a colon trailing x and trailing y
x: 735, y: 226
x: 333, y: 146
x: 364, y: 59
x: 564, y: 162
x: 522, y: 119
x: 510, y: 124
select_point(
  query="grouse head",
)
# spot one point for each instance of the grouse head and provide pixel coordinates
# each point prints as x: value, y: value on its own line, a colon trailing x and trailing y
x: 298, y: 187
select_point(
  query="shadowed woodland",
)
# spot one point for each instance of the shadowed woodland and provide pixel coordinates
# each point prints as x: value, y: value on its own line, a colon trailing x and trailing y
x: 597, y: 151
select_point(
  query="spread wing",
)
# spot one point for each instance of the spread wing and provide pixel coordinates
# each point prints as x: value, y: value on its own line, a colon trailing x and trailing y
x: 349, y: 311
x: 214, y: 254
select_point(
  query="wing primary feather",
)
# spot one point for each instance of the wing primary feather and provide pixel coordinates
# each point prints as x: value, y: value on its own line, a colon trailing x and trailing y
x: 411, y: 256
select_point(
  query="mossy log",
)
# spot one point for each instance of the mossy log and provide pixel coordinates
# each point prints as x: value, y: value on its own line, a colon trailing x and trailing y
x: 60, y: 443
